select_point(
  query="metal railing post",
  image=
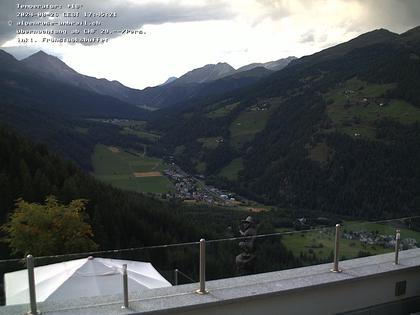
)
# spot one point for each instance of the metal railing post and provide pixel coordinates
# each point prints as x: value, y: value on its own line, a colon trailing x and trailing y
x: 31, y: 280
x: 125, y: 286
x: 336, y: 249
x: 397, y: 246
x: 176, y: 277
x: 202, y: 289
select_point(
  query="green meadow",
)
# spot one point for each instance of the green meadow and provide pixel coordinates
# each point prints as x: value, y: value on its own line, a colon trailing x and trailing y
x: 356, y: 105
x: 232, y: 169
x: 247, y: 125
x: 118, y: 168
x: 321, y: 241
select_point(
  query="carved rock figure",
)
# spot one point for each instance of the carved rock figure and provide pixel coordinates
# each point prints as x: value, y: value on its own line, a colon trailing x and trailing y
x: 245, y: 261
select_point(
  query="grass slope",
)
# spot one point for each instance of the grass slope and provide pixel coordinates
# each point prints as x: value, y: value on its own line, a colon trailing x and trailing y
x: 117, y: 168
x: 210, y: 142
x: 322, y: 242
x: 355, y: 105
x: 247, y: 125
x: 231, y: 171
x: 222, y: 111
x: 136, y: 128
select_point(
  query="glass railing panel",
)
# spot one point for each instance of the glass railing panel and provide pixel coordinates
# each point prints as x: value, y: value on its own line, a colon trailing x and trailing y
x: 177, y: 264
x: 409, y: 232
x: 269, y: 252
x: 361, y: 239
x: 310, y: 247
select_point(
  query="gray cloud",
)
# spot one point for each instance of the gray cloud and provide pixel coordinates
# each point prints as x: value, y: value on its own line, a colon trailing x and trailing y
x: 395, y: 15
x: 312, y: 37
x: 7, y: 13
x: 130, y: 16
x: 307, y: 37
x: 276, y: 9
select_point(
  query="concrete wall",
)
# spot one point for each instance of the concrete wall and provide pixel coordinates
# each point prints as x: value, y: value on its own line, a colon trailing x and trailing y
x: 329, y: 299
x: 367, y: 286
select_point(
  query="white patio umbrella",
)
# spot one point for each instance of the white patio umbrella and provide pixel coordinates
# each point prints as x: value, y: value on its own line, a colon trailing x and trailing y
x: 81, y: 278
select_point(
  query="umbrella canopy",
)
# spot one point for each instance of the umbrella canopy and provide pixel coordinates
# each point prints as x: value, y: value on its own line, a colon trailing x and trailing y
x: 81, y: 278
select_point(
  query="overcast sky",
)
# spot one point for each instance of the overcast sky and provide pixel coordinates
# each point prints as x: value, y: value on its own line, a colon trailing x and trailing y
x: 185, y: 34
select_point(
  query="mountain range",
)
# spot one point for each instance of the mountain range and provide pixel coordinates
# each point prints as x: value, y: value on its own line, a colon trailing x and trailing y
x: 211, y: 79
x: 43, y: 88
x: 271, y: 65
x: 195, y: 83
x: 335, y: 131
x: 51, y: 67
x: 44, y: 82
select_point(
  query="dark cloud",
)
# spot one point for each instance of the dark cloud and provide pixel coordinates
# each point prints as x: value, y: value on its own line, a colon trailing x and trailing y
x: 7, y: 13
x: 395, y: 15
x: 130, y: 16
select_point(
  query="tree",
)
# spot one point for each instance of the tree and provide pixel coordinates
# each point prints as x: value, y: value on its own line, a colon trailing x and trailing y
x: 49, y: 229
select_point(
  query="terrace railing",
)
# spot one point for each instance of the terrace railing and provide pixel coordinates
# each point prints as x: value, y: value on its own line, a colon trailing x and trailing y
x: 197, y: 262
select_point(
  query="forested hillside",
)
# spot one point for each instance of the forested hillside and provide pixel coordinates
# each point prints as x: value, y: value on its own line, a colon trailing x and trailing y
x: 119, y: 219
x: 60, y: 115
x: 337, y: 131
x: 122, y: 219
x: 70, y: 137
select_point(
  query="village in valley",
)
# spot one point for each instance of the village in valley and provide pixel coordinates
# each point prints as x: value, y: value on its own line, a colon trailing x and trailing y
x: 375, y: 238
x: 191, y: 189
